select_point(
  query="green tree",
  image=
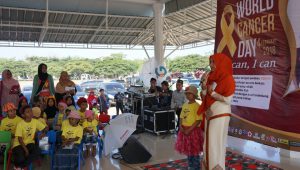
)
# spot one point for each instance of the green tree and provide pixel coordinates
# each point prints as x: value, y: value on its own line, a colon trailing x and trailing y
x: 188, y: 63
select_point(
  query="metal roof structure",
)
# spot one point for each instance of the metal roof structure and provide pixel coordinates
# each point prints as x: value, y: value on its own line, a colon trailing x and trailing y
x: 33, y: 26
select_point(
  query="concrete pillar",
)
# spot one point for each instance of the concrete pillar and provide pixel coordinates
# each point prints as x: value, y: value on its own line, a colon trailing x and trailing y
x: 158, y: 33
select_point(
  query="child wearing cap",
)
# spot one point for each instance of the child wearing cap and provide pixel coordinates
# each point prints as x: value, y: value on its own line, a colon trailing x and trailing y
x: 36, y: 112
x: 190, y: 136
x: 10, y: 122
x: 82, y: 104
x: 90, y: 133
x: 24, y: 148
x: 67, y: 156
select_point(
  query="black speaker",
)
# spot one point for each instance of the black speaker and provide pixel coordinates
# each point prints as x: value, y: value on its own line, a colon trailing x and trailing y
x: 133, y: 152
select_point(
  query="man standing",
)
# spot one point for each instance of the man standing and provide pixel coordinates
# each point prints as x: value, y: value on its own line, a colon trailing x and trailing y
x: 103, y: 101
x: 119, y: 102
x: 178, y: 99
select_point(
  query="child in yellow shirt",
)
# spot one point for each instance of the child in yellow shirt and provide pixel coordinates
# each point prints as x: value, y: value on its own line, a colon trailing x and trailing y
x: 10, y: 122
x: 67, y: 156
x: 190, y: 136
x: 36, y: 112
x: 24, y: 149
x: 60, y: 116
x: 82, y: 104
x: 90, y: 133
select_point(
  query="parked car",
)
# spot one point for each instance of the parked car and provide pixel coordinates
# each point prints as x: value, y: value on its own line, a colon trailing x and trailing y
x: 27, y: 91
x: 119, y: 81
x: 79, y: 93
x: 91, y: 85
x: 111, y: 89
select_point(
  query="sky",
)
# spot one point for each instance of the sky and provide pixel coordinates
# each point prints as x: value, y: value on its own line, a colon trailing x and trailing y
x: 20, y: 53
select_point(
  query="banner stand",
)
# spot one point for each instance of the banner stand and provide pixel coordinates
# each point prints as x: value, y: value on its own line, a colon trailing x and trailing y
x: 289, y: 153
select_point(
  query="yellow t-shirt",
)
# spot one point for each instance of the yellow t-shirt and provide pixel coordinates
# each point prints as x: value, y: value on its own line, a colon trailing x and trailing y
x: 69, y: 131
x: 91, y: 125
x: 27, y: 130
x: 189, y: 114
x: 60, y: 119
x: 72, y: 108
x: 65, y: 123
x: 8, y: 124
x: 82, y: 115
x: 42, y: 120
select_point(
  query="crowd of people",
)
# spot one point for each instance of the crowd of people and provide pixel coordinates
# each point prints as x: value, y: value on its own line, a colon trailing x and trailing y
x: 200, y: 127
x: 50, y: 108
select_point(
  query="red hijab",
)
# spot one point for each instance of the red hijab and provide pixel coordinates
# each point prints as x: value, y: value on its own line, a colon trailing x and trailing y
x: 223, y: 76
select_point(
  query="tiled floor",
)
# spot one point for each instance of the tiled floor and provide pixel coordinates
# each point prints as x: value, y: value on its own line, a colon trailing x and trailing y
x: 162, y: 150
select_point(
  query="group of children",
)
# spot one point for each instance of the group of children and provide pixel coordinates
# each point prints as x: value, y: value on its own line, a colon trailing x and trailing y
x: 76, y: 126
x: 72, y: 127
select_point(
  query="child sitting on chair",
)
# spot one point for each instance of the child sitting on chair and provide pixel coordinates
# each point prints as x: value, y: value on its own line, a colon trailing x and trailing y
x: 60, y: 116
x: 90, y: 133
x: 36, y: 112
x: 9, y: 123
x: 67, y: 156
x: 82, y: 104
x: 24, y: 148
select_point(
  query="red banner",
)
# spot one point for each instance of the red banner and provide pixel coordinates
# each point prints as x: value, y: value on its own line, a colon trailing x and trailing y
x: 263, y: 39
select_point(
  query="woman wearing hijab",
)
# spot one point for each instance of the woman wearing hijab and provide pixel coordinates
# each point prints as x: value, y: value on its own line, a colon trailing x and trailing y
x: 9, y: 89
x: 64, y: 87
x: 43, y: 85
x: 216, y: 98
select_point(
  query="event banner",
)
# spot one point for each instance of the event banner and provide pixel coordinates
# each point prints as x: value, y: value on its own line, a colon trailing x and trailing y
x: 263, y: 39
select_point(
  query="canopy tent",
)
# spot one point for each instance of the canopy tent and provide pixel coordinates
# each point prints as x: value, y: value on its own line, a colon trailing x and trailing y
x: 105, y: 23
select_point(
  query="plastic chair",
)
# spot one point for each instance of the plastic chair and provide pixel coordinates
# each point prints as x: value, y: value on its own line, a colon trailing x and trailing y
x: 51, y: 140
x: 100, y: 141
x: 5, y: 138
x: 80, y: 155
x: 9, y: 160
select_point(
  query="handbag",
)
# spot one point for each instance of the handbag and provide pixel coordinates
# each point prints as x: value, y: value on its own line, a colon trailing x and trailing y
x: 15, y: 89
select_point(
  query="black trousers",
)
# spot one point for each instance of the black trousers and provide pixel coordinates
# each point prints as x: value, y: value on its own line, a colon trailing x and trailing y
x: 20, y: 160
x: 178, y: 111
x: 119, y: 106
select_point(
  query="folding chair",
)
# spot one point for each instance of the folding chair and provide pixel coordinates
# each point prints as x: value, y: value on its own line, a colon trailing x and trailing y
x: 5, y: 138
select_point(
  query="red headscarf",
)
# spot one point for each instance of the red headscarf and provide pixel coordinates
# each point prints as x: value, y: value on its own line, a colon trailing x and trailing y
x: 222, y: 75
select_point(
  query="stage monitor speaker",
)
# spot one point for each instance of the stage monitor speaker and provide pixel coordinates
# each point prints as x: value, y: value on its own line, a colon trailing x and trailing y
x: 134, y: 152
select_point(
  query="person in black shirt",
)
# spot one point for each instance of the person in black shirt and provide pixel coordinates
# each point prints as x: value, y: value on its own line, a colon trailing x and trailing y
x: 165, y: 95
x: 153, y: 87
x: 119, y: 102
